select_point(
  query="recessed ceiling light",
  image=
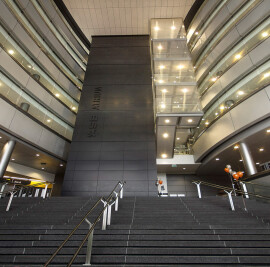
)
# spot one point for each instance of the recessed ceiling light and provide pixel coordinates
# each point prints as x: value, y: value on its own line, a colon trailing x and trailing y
x: 180, y: 67
x: 29, y: 66
x: 238, y: 56
x: 11, y: 52
x: 264, y: 34
x: 164, y: 156
x: 217, y: 158
x: 236, y: 147
x: 165, y: 135
x: 240, y: 92
x: 12, y: 159
x: 156, y: 28
x: 0, y: 137
x: 37, y: 155
x: 73, y: 108
x: 178, y: 138
x: 185, y: 90
x: 184, y: 168
x: 160, y: 47
x: 240, y: 160
x: 164, y: 91
x: 206, y: 123
x: 42, y: 168
x: 261, y: 149
x: 268, y: 131
x: 196, y: 33
x: 266, y: 75
x: 173, y: 27
x: 163, y: 106
x: 160, y: 81
x: 214, y: 79
x: 162, y: 67
x: 61, y: 165
x: 190, y: 120
x: 48, y: 120
x: 167, y: 121
x: 216, y: 113
x: 257, y: 163
x: 222, y: 107
x: 57, y: 95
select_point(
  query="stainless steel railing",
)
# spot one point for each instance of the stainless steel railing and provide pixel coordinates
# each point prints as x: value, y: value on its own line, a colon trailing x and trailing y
x: 111, y: 200
x: 229, y: 191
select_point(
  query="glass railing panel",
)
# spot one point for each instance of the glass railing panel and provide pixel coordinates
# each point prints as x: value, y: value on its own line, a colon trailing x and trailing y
x: 256, y: 80
x: 226, y: 28
x: 41, y: 43
x: 77, y: 57
x: 22, y: 100
x: 160, y: 79
x: 254, y: 38
x: 35, y: 71
x: 195, y: 35
x: 173, y: 49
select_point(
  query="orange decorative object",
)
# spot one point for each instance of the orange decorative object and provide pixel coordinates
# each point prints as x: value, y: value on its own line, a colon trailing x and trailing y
x: 236, y: 176
x: 240, y: 174
x: 160, y: 182
x: 227, y: 170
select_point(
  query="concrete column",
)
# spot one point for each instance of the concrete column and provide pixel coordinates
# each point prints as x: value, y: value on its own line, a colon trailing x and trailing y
x: 5, y: 156
x: 247, y: 159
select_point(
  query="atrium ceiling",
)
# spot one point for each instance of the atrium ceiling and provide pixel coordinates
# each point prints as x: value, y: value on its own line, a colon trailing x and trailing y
x: 123, y: 17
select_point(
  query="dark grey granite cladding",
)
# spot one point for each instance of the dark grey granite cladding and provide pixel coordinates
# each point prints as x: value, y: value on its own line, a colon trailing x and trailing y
x: 114, y: 133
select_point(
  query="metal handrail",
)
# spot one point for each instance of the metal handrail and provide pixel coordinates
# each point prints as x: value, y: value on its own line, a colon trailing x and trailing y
x: 107, y: 201
x: 230, y: 189
x: 255, y: 184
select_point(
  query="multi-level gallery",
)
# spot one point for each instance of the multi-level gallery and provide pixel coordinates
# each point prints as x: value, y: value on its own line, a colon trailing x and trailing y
x: 134, y: 133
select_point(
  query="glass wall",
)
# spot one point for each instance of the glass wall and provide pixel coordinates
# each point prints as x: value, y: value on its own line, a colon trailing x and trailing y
x: 22, y: 100
x: 28, y: 64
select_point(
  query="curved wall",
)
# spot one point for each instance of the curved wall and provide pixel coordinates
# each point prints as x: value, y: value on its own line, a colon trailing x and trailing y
x: 230, y: 52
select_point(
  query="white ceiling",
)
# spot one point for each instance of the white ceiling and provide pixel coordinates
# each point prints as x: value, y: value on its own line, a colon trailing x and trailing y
x: 123, y: 17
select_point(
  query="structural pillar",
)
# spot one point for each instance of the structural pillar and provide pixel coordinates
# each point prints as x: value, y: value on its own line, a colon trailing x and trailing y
x: 5, y: 156
x: 247, y: 159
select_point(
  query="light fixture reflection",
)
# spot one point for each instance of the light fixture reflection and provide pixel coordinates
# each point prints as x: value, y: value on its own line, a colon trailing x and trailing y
x: 238, y: 56
x: 11, y: 52
x: 190, y: 120
x: 167, y: 121
x: 185, y: 90
x: 266, y: 75
x: 180, y: 67
x: 164, y: 156
x: 160, y: 47
x: 264, y: 34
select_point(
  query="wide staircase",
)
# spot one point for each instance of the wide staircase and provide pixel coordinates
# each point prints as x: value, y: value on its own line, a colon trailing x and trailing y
x: 144, y: 232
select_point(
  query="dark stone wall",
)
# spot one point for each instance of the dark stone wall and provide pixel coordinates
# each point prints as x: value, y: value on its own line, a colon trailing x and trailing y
x: 114, y: 133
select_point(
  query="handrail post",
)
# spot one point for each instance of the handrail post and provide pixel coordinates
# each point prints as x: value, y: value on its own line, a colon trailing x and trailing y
x: 121, y: 191
x: 198, y: 189
x: 2, y: 189
x: 245, y: 189
x: 89, y: 246
x: 116, y: 201
x: 45, y: 191
x: 10, y: 200
x: 230, y: 199
x: 109, y: 215
x: 105, y: 213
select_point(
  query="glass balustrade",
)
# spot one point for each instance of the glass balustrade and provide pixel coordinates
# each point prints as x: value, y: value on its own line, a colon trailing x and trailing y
x: 18, y: 97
